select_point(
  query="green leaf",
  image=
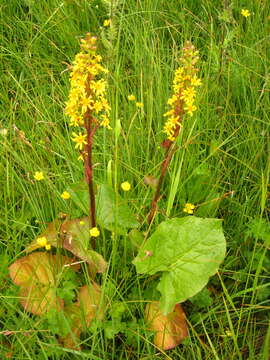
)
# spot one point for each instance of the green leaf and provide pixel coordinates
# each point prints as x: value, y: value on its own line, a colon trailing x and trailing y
x: 188, y: 251
x: 75, y: 238
x: 79, y: 194
x: 112, y: 211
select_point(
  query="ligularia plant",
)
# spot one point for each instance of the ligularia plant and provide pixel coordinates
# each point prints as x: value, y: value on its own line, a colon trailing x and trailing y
x: 182, y: 252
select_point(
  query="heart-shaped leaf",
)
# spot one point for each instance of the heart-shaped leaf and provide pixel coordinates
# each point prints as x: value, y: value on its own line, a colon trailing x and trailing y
x: 188, y: 251
x: 170, y: 330
x: 72, y: 235
x: 37, y: 275
x: 112, y: 211
x: 82, y: 312
x: 40, y: 299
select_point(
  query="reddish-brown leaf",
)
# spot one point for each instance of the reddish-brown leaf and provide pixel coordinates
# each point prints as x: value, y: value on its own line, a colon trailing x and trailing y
x: 170, y: 330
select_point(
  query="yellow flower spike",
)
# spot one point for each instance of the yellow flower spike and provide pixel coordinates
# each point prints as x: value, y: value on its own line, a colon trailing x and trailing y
x: 131, y: 97
x: 38, y: 175
x: 189, y: 208
x: 88, y: 88
x: 42, y: 241
x: 139, y: 104
x: 125, y: 186
x: 48, y: 247
x: 184, y: 83
x: 245, y: 13
x: 94, y: 232
x: 107, y: 22
x: 65, y: 195
x: 79, y: 140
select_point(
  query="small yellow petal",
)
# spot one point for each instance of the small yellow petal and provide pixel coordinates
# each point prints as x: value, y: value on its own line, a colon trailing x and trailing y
x: 38, y: 175
x: 131, y: 97
x: 107, y: 22
x: 94, y: 232
x: 125, y: 186
x: 42, y: 241
x: 65, y: 195
x: 245, y: 13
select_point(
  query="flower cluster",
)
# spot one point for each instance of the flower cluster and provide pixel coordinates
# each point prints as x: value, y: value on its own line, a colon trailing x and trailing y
x: 189, y: 208
x: 184, y: 84
x: 42, y: 241
x: 88, y: 89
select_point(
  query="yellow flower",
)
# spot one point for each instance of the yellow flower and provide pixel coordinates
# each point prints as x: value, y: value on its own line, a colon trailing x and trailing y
x: 48, y: 247
x: 189, y: 208
x: 107, y: 23
x: 88, y: 88
x: 82, y: 222
x: 182, y: 100
x: 245, y: 13
x: 42, y: 241
x: 79, y: 140
x: 125, y: 186
x: 139, y: 104
x: 94, y: 232
x: 131, y: 97
x: 38, y: 175
x: 65, y: 195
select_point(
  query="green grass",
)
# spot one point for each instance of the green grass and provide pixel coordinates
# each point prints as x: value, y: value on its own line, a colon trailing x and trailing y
x: 228, y: 137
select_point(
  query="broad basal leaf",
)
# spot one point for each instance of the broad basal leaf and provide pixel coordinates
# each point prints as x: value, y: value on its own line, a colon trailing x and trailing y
x: 82, y: 312
x: 112, y: 211
x: 170, y: 330
x: 51, y: 233
x: 188, y: 251
x: 72, y: 235
x: 37, y: 274
x: 40, y: 299
x: 75, y: 238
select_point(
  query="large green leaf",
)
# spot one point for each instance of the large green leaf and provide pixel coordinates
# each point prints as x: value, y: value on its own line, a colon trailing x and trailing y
x: 188, y: 251
x: 112, y: 211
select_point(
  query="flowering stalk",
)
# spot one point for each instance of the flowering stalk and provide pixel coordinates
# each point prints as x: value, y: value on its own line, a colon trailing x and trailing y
x: 181, y: 103
x: 88, y: 108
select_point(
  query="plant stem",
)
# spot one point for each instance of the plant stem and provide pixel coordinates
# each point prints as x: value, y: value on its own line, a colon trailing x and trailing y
x: 163, y: 169
x: 88, y: 166
x: 168, y: 145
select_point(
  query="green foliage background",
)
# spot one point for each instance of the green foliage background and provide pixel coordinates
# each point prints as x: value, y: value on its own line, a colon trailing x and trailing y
x: 225, y: 149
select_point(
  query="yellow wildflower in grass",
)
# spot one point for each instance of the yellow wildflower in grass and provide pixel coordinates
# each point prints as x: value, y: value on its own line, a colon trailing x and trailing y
x: 94, y: 232
x: 79, y: 140
x: 245, y: 13
x: 131, y: 97
x: 65, y: 195
x: 189, y: 208
x: 48, y: 247
x: 87, y: 97
x: 107, y: 22
x: 42, y: 241
x: 125, y: 186
x: 82, y: 222
x: 38, y: 175
x: 184, y: 86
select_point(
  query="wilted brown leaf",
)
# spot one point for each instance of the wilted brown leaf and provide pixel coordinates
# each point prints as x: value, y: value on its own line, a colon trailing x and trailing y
x: 170, y: 330
x: 40, y: 299
x: 36, y: 274
x: 72, y: 235
x: 82, y: 312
